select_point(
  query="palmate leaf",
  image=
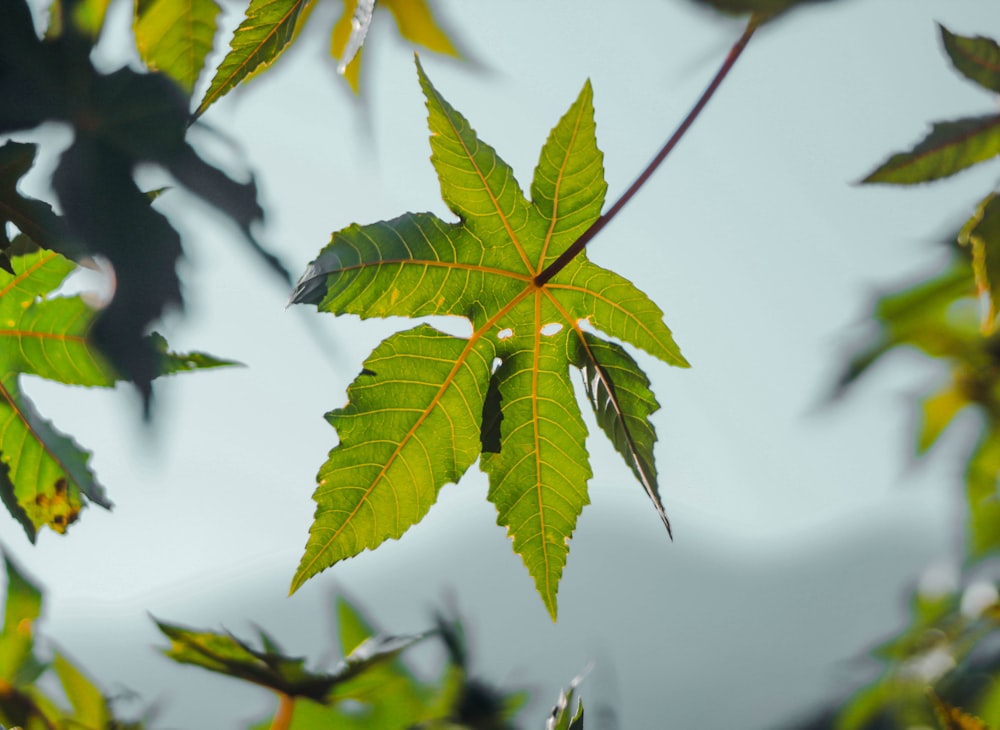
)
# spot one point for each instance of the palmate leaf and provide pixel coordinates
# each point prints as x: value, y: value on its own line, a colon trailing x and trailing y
x: 427, y: 404
x: 44, y: 476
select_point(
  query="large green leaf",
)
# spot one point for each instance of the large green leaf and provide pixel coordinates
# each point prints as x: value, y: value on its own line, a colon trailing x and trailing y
x: 175, y: 37
x: 415, y: 416
x: 44, y: 476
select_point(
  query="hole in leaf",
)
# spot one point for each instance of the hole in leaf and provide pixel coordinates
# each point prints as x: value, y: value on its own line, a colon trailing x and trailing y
x: 505, y: 334
x: 551, y: 328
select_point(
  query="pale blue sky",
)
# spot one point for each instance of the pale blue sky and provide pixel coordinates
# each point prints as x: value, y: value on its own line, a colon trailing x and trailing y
x: 751, y: 238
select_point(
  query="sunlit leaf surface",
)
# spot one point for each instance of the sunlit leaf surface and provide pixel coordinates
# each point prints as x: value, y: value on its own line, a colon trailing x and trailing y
x: 415, y: 417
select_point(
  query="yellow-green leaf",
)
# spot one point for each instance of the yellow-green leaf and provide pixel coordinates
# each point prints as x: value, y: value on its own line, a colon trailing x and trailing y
x: 175, y: 36
x: 427, y: 404
x: 266, y: 31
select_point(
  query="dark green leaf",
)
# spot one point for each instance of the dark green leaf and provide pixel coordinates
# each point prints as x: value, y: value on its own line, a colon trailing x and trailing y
x: 949, y: 148
x: 33, y: 218
x: 978, y: 59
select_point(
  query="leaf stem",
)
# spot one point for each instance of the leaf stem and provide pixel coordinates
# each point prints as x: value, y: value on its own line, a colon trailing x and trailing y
x: 579, y: 244
x: 283, y: 717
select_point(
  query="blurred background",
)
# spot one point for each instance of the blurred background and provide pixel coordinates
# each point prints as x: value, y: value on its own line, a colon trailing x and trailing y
x: 800, y: 523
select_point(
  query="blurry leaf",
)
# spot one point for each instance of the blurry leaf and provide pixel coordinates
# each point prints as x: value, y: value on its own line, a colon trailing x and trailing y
x: 952, y: 718
x: 174, y: 362
x: 87, y: 17
x: 33, y: 218
x: 982, y: 234
x: 23, y: 606
x: 563, y: 717
x: 982, y: 473
x: 267, y: 29
x: 121, y: 120
x: 765, y: 9
x: 225, y: 654
x: 352, y: 626
x: 415, y: 22
x: 949, y: 148
x: 90, y: 708
x: 938, y: 411
x: 978, y: 59
x: 175, y: 37
x: 417, y: 25
x: 348, y: 38
x: 415, y: 415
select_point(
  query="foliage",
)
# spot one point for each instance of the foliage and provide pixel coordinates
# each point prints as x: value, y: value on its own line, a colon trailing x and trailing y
x: 23, y: 701
x: 955, y: 145
x: 950, y: 643
x: 45, y: 478
x: 270, y: 27
x: 427, y: 404
x: 120, y: 120
x: 370, y: 688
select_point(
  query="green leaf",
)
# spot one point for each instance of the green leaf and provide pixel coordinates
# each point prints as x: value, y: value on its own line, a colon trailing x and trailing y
x: 978, y: 59
x: 982, y: 235
x: 23, y: 606
x: 426, y: 403
x: 175, y: 37
x: 90, y: 708
x: 938, y: 411
x: 46, y: 480
x: 225, y: 654
x: 562, y: 716
x: 949, y: 148
x: 267, y: 29
x: 47, y: 477
x: 953, y: 718
x: 982, y: 473
x: 619, y: 393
